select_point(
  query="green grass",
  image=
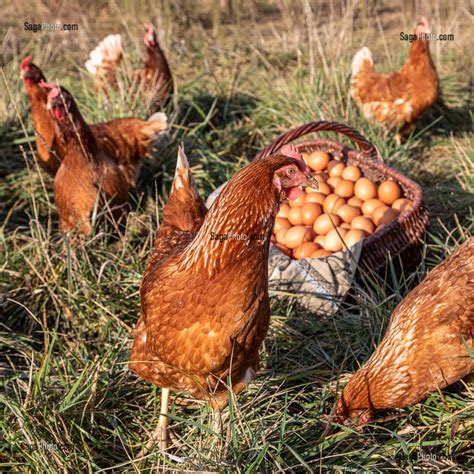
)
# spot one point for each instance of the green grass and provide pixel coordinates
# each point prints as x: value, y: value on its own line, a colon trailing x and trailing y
x: 68, y: 401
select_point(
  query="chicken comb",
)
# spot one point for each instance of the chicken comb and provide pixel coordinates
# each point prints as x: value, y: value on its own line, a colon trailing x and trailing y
x: 291, y: 151
x: 150, y: 30
x: 25, y: 64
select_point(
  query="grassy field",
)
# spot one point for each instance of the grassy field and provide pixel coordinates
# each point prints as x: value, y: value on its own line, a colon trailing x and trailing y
x: 68, y: 403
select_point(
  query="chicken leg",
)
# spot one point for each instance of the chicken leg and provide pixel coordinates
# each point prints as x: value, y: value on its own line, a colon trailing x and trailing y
x: 160, y: 435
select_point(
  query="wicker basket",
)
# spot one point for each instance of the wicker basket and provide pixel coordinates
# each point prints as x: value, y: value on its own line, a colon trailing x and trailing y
x: 400, y: 238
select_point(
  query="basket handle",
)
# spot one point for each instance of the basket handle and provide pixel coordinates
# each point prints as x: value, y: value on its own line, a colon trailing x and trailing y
x: 367, y: 149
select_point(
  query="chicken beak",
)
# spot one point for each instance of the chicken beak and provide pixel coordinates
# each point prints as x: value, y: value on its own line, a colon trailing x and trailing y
x: 311, y: 182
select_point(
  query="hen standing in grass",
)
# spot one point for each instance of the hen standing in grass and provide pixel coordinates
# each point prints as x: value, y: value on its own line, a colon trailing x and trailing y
x: 204, y: 294
x: 88, y: 176
x: 397, y: 99
x: 426, y: 347
x: 126, y: 140
x: 154, y: 77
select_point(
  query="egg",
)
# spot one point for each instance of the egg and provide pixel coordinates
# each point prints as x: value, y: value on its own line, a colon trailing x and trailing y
x: 321, y: 176
x: 297, y: 235
x: 305, y: 250
x: 294, y: 216
x: 298, y: 202
x: 284, y: 210
x: 324, y: 188
x: 364, y: 189
x: 363, y: 223
x: 317, y: 198
x: 319, y: 239
x: 368, y: 207
x: 347, y: 213
x: 334, y: 240
x: 280, y: 235
x: 334, y: 181
x: 345, y: 225
x: 344, y: 188
x: 318, y: 160
x: 353, y: 201
x: 326, y: 222
x: 351, y: 173
x: 402, y: 205
x: 335, y: 168
x: 284, y: 249
x: 332, y: 203
x: 353, y: 236
x: 309, y: 213
x: 384, y: 215
x: 281, y: 223
x: 321, y: 253
x: 389, y: 192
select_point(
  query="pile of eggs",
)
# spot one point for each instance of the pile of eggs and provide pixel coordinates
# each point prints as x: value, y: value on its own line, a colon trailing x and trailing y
x: 346, y: 208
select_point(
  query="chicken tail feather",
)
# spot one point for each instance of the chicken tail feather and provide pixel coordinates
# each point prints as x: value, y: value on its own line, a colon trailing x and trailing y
x: 105, y: 56
x: 363, y: 58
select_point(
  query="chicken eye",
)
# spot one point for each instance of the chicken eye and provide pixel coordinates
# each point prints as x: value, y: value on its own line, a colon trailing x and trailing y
x: 291, y: 171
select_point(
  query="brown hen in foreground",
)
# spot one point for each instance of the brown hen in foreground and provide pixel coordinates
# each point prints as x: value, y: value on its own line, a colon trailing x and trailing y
x: 155, y: 75
x: 397, y: 99
x: 204, y: 295
x: 425, y: 347
x: 126, y: 140
x: 88, y: 177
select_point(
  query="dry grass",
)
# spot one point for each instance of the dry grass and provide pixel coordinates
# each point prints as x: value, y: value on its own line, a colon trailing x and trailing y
x: 68, y: 402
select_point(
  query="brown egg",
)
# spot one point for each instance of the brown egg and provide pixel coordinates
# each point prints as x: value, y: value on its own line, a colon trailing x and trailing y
x: 335, y: 168
x: 353, y: 236
x: 294, y: 216
x: 305, y: 250
x: 318, y: 160
x: 389, y: 192
x: 334, y: 181
x: 334, y: 240
x: 364, y: 189
x: 345, y: 225
x: 298, y: 202
x: 363, y: 223
x: 353, y: 201
x: 344, y: 188
x: 347, y: 213
x: 319, y: 240
x: 297, y: 235
x: 381, y: 226
x: 321, y: 253
x: 321, y: 176
x: 402, y: 205
x: 310, y: 212
x: 284, y: 211
x: 280, y: 235
x: 332, y: 203
x: 351, y: 173
x: 384, y: 215
x: 369, y: 206
x: 281, y: 223
x: 318, y: 198
x: 326, y: 222
x: 324, y: 188
x: 284, y: 249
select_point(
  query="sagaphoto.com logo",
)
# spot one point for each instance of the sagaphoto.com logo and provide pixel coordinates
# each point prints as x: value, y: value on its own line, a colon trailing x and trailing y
x: 45, y: 26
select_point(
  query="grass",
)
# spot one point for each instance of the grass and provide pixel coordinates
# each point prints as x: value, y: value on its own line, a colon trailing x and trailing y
x: 68, y: 401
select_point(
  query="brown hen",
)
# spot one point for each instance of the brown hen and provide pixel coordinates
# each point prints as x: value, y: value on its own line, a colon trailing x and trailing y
x: 126, y: 140
x: 397, y: 99
x: 88, y: 176
x: 425, y: 347
x: 155, y: 75
x: 204, y: 294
